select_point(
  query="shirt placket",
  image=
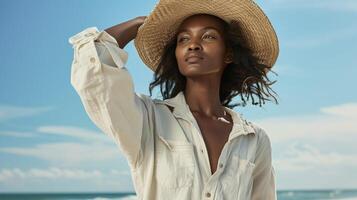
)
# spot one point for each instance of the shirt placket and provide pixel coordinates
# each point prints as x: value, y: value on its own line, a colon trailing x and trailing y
x: 209, y: 189
x: 210, y: 186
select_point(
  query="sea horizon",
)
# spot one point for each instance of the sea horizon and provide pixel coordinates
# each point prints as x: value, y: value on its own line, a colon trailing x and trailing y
x: 284, y: 194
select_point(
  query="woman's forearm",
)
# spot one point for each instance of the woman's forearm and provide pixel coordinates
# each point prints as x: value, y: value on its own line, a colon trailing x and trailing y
x: 126, y: 31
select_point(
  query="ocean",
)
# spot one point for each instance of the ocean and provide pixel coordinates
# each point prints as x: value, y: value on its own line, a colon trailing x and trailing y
x: 282, y: 195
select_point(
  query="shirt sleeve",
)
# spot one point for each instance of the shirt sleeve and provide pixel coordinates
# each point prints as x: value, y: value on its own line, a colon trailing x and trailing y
x: 106, y: 89
x: 264, y: 187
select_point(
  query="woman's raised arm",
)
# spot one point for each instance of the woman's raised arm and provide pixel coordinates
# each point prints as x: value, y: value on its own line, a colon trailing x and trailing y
x: 126, y: 31
x: 106, y: 88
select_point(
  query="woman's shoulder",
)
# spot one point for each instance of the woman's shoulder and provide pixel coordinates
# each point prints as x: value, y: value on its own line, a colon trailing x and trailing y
x: 151, y: 103
x: 260, y: 132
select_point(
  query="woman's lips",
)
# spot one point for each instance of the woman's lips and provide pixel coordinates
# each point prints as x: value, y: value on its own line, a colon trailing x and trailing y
x: 193, y: 59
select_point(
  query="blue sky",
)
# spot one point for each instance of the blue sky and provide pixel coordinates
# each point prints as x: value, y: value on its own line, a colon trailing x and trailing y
x: 48, y: 143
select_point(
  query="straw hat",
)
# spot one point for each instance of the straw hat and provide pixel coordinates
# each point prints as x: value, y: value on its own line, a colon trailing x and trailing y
x: 162, y: 23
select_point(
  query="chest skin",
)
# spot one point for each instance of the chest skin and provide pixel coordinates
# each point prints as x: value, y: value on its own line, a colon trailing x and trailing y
x: 215, y: 134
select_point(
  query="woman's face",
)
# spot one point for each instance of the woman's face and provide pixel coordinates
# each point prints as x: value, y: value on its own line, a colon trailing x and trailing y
x: 200, y: 48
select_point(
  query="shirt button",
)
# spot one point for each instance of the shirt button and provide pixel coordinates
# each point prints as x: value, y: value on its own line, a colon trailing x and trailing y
x: 208, y: 194
x: 201, y: 150
x: 92, y: 60
x: 220, y: 165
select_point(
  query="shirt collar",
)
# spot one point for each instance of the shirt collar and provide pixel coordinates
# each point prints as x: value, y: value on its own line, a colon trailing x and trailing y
x: 181, y: 110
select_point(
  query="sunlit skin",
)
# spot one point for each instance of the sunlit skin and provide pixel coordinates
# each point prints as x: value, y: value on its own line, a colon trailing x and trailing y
x: 203, y: 35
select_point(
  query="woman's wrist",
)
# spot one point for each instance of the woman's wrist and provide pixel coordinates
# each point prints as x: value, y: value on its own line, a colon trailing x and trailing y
x: 126, y: 31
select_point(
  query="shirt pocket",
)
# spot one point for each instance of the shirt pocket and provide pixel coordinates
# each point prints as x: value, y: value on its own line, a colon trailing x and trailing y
x: 175, y: 164
x: 237, y: 178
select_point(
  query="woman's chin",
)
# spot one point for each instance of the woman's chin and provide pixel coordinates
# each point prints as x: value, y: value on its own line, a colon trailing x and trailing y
x: 195, y: 71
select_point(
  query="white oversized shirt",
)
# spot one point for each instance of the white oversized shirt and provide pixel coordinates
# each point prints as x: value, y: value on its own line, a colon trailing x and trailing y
x: 165, y: 149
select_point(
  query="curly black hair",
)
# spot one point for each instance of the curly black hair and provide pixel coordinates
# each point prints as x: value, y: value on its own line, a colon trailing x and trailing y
x: 245, y: 76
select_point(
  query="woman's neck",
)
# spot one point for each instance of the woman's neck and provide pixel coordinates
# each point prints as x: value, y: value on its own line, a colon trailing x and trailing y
x: 202, y: 96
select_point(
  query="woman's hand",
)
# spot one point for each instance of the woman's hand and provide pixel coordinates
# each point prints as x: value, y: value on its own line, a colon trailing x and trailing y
x: 141, y: 19
x: 126, y: 31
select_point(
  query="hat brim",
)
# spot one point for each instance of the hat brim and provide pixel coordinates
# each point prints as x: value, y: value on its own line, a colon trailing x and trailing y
x: 162, y: 23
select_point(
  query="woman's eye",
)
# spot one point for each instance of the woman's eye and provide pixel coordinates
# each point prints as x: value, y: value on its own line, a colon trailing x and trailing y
x: 209, y: 36
x: 205, y: 36
x: 181, y: 39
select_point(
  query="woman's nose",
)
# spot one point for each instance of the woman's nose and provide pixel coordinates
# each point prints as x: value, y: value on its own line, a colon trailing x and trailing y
x: 194, y: 46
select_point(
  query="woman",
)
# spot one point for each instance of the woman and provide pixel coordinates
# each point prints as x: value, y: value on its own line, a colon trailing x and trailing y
x: 190, y: 145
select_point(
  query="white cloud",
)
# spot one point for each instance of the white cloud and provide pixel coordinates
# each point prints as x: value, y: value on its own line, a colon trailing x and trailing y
x: 313, y: 148
x: 56, y: 179
x: 116, y: 172
x: 306, y: 157
x: 333, y: 122
x: 50, y: 173
x: 91, y: 147
x: 68, y: 153
x: 11, y: 112
x: 69, y: 131
x: 81, y: 133
x: 348, y: 110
